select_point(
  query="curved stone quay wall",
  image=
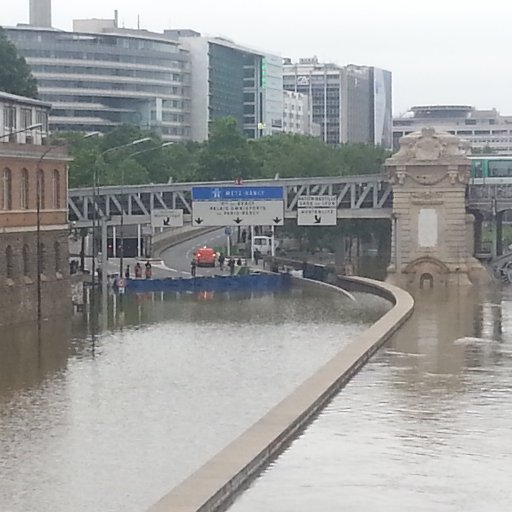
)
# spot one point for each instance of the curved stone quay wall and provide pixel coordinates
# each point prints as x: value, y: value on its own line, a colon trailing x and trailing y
x: 212, y: 487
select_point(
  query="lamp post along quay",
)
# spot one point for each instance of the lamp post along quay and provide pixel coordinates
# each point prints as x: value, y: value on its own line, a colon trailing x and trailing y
x: 121, y: 226
x: 39, y: 192
x: 23, y: 130
x: 103, y: 220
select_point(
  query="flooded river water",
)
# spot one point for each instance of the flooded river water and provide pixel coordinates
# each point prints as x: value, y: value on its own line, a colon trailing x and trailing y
x: 425, y: 426
x: 113, y: 423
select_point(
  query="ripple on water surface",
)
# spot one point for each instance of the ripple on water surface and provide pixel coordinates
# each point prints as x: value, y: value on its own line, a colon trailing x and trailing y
x: 117, y: 427
x: 425, y: 426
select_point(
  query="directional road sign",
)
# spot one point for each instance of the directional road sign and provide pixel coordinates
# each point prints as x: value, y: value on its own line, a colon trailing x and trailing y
x: 237, y: 206
x: 316, y: 216
x: 316, y: 210
x: 166, y: 218
x: 316, y: 202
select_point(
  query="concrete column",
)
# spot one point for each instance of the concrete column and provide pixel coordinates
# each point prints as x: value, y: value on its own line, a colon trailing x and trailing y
x: 339, y: 252
x: 478, y: 233
x: 139, y: 244
x: 494, y: 244
x: 499, y: 234
x: 114, y: 242
x: 104, y: 263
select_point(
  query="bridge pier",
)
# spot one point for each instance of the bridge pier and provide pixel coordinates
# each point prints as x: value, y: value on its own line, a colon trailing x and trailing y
x: 433, y: 236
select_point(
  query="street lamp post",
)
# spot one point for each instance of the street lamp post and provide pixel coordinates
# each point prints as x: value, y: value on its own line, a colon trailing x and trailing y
x: 39, y: 268
x: 104, y: 220
x: 26, y: 129
x: 121, y: 227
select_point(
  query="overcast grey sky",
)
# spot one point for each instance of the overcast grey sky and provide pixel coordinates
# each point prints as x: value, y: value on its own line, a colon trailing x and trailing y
x: 440, y: 51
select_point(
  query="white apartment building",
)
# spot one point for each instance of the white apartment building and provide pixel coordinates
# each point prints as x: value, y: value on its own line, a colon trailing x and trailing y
x: 297, y: 115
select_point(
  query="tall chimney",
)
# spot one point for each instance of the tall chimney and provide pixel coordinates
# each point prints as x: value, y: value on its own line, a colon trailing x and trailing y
x: 41, y: 13
x: 116, y: 19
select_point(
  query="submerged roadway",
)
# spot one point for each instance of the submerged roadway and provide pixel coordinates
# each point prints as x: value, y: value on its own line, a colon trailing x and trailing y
x: 177, y: 259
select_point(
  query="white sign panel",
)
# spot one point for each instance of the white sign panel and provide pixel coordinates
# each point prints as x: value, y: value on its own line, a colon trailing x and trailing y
x: 316, y: 202
x: 166, y: 218
x: 316, y: 216
x: 238, y: 213
x: 238, y: 206
x: 427, y: 227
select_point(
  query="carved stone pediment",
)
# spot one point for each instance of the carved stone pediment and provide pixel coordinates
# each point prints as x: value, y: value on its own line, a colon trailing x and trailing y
x: 428, y: 145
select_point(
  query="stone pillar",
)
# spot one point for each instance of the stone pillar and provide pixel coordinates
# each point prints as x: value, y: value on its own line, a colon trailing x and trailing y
x: 429, y: 176
x: 477, y: 232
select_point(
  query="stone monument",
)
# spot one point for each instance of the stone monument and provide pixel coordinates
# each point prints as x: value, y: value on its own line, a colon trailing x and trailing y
x: 433, y: 236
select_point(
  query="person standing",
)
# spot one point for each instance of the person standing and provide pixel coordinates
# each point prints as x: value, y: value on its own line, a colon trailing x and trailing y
x: 149, y: 270
x: 231, y: 265
x: 193, y: 267
x: 127, y: 272
x: 257, y: 256
x: 222, y: 259
x: 138, y: 271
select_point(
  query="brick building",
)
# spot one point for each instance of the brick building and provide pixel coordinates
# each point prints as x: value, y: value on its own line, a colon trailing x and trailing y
x: 29, y: 165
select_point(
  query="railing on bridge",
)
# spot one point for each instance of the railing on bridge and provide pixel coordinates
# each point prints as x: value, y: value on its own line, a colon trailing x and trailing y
x: 363, y: 196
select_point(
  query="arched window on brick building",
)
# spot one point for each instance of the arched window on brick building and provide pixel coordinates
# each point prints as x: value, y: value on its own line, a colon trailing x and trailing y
x: 40, y: 188
x: 56, y: 189
x: 24, y: 189
x: 26, y: 260
x: 7, y: 189
x: 9, y: 262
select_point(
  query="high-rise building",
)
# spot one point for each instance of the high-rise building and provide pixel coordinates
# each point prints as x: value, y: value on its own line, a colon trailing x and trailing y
x: 350, y: 103
x: 486, y: 130
x: 101, y: 76
x: 232, y: 80
x: 41, y: 13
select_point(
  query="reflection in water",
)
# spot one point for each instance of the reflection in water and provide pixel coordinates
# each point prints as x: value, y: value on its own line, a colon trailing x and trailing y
x: 113, y: 424
x: 425, y: 426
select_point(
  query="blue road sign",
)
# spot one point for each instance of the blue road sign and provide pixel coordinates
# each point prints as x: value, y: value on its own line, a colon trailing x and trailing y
x: 237, y: 193
x: 227, y: 231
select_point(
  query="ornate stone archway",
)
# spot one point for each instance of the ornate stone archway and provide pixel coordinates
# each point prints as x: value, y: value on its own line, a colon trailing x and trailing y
x: 417, y: 270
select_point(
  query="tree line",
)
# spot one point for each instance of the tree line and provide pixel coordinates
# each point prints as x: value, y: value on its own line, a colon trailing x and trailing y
x: 227, y: 155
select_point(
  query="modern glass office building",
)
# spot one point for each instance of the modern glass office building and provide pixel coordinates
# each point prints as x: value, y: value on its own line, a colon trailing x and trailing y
x: 100, y: 76
x: 232, y: 80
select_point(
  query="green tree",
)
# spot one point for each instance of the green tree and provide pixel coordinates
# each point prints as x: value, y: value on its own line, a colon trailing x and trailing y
x: 295, y: 156
x: 15, y: 74
x: 227, y: 155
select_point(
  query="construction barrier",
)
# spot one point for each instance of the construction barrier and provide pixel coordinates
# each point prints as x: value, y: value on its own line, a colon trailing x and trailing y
x: 214, y: 283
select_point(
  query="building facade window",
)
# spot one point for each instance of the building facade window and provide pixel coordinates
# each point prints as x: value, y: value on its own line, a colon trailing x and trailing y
x: 7, y: 189
x: 56, y: 248
x: 26, y: 258
x: 40, y: 189
x: 9, y: 262
x: 42, y: 258
x: 24, y: 190
x: 56, y: 189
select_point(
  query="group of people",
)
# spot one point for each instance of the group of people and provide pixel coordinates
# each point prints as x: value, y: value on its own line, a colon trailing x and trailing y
x: 230, y: 263
x: 148, y: 271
